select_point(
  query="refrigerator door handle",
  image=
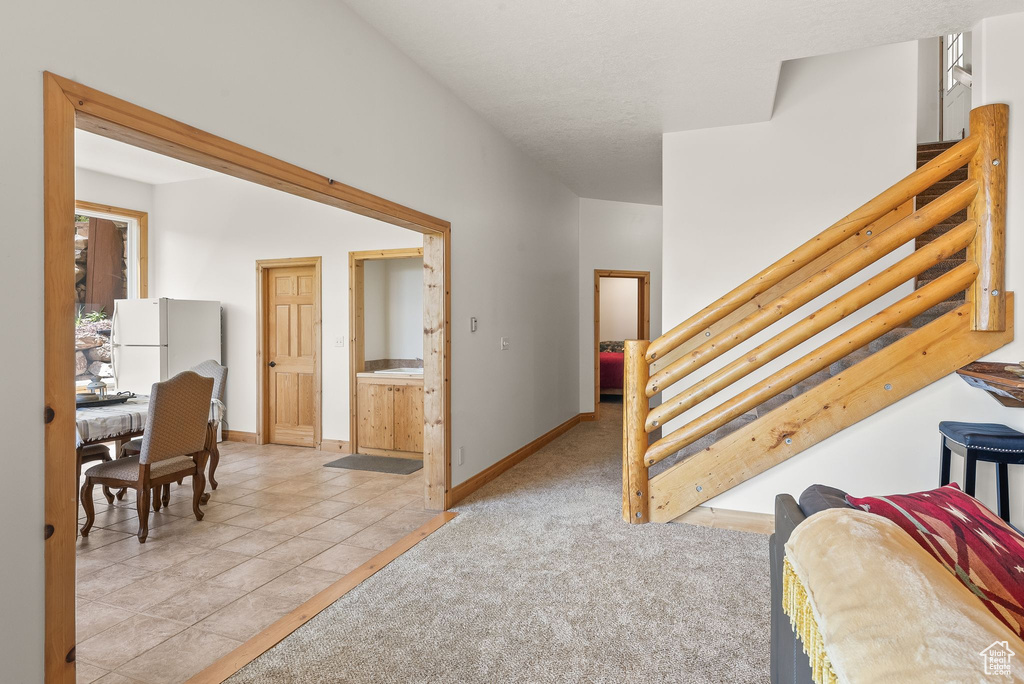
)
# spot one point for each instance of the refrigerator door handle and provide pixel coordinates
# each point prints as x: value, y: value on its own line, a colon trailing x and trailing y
x: 113, y: 346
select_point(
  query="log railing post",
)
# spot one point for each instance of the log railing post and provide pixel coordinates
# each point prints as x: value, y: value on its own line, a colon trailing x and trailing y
x: 634, y: 437
x: 988, y: 166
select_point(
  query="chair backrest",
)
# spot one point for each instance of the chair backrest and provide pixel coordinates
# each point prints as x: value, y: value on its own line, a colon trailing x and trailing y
x: 179, y: 411
x: 219, y: 373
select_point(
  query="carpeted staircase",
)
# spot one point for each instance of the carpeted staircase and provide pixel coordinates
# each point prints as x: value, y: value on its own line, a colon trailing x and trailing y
x: 925, y: 153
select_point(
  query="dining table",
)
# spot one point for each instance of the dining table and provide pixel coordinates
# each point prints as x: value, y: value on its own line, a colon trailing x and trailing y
x: 122, y: 422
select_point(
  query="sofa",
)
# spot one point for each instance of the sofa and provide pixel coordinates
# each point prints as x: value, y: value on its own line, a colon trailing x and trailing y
x: 921, y: 587
x: 789, y: 664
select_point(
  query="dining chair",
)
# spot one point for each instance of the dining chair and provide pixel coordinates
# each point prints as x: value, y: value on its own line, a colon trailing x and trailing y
x: 88, y: 454
x: 175, y: 445
x: 207, y: 369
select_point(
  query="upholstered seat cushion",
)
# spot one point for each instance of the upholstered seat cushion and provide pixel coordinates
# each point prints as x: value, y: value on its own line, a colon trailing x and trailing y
x: 132, y: 447
x: 990, y: 436
x: 93, y: 452
x: 128, y: 468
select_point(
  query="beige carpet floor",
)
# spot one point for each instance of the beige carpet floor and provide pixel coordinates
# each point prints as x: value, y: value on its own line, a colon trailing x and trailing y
x: 539, y: 580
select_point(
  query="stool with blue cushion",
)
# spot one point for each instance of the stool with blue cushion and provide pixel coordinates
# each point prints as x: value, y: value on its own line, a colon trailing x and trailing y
x: 988, y: 442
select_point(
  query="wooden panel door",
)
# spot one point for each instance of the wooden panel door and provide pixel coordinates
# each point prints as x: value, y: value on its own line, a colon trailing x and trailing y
x: 409, y: 418
x: 375, y: 404
x: 292, y: 323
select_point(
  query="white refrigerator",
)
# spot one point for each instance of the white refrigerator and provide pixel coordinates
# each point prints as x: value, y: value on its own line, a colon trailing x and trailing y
x: 155, y: 339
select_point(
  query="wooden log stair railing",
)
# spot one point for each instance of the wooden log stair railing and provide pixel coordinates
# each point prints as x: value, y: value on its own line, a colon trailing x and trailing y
x: 898, y: 350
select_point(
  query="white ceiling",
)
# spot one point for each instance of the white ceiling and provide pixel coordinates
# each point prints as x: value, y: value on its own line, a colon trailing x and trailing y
x: 96, y: 153
x: 587, y: 87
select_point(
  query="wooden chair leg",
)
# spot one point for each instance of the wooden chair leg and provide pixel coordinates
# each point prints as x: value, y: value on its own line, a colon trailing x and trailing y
x: 1003, y: 491
x: 108, y: 495
x: 944, y: 463
x: 214, y: 460
x: 198, y: 487
x: 157, y: 499
x: 166, y: 495
x: 142, y: 506
x: 970, y: 472
x: 87, y: 504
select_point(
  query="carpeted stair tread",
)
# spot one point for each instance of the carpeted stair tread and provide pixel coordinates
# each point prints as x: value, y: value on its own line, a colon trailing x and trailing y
x: 851, y: 359
x: 888, y: 338
x: 937, y: 311
x: 940, y: 188
x: 941, y: 268
x: 775, y: 402
x: 934, y: 233
x: 811, y: 382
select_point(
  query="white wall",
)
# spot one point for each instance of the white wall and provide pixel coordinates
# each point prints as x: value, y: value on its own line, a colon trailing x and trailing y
x: 619, y: 310
x: 309, y: 82
x: 997, y: 53
x: 92, y: 186
x: 614, y: 236
x: 212, y: 231
x: 738, y: 198
x: 929, y: 71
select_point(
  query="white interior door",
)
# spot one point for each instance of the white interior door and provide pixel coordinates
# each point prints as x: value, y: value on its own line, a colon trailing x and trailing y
x: 956, y: 101
x: 956, y: 112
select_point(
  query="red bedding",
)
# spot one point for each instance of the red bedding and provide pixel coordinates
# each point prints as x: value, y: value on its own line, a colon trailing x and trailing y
x: 611, y: 370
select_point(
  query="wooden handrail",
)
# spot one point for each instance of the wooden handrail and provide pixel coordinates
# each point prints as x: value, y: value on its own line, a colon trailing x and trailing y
x: 909, y: 228
x: 893, y: 316
x: 789, y: 282
x: 635, y: 506
x: 988, y: 166
x: 942, y: 248
x: 909, y: 187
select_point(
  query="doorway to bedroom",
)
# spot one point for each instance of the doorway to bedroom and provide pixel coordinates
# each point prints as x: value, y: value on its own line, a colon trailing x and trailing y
x: 622, y: 311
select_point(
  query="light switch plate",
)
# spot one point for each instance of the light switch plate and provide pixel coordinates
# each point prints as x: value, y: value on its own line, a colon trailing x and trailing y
x: 504, y: 344
x: 339, y: 341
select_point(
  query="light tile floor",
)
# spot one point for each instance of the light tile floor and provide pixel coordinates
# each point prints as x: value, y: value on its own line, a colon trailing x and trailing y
x: 278, y: 529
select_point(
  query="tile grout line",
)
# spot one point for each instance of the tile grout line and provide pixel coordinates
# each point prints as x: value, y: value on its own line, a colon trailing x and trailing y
x: 272, y: 635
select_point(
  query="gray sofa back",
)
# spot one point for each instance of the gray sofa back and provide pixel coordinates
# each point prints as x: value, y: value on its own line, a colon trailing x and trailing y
x: 789, y: 664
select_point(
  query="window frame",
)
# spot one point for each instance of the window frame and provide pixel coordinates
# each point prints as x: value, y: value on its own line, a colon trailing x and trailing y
x: 952, y: 55
x: 138, y: 241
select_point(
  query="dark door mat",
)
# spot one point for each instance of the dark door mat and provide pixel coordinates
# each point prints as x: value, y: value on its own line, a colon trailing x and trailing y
x: 377, y: 464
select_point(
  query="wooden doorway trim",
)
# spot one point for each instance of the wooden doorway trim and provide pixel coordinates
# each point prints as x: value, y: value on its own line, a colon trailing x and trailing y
x: 68, y: 105
x: 263, y: 267
x: 141, y: 218
x: 643, y: 322
x: 356, y: 322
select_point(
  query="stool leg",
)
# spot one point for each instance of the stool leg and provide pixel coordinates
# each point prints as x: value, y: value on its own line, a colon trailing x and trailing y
x: 944, y: 461
x: 970, y: 472
x: 1003, y: 491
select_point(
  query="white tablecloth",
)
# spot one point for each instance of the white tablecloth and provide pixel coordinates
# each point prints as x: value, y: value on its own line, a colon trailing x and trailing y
x: 103, y: 423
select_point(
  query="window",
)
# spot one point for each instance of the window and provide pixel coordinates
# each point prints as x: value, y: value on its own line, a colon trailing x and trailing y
x: 954, y: 57
x: 110, y: 264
